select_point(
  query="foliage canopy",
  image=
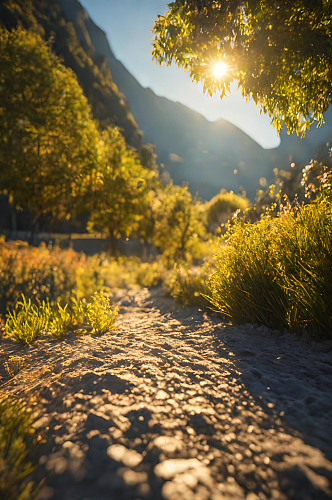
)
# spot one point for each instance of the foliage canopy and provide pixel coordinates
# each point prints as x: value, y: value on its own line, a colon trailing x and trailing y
x: 279, y: 52
x: 48, y: 139
x: 120, y: 188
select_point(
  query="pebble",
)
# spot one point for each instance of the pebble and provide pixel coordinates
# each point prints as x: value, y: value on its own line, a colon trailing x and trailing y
x: 120, y: 453
x: 170, y: 468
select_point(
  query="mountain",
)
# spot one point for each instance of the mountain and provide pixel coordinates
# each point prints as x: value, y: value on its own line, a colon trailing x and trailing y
x: 207, y: 155
x: 316, y: 142
x: 191, y: 148
x: 194, y: 150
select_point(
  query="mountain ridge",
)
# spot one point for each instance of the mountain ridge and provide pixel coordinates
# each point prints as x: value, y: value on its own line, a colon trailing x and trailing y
x: 179, y: 131
x: 176, y: 129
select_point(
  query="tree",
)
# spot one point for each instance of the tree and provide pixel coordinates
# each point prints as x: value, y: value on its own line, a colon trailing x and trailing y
x: 278, y: 51
x: 118, y: 189
x: 48, y: 140
x: 178, y: 222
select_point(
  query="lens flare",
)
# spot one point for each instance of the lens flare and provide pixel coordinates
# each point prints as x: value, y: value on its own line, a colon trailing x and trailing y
x: 220, y: 69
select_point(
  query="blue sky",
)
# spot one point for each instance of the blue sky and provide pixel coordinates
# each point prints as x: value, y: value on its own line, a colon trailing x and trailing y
x: 128, y: 24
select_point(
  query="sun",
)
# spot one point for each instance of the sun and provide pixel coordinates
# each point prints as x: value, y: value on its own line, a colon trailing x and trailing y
x: 220, y: 69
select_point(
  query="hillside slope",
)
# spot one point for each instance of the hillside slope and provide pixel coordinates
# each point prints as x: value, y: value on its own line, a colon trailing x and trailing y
x: 316, y: 141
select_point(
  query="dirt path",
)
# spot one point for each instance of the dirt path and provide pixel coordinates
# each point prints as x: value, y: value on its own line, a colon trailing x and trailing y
x: 178, y: 405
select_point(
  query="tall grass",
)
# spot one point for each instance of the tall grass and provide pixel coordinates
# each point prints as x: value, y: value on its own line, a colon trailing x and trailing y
x: 16, y: 441
x: 46, y: 274
x: 278, y: 271
x: 26, y: 322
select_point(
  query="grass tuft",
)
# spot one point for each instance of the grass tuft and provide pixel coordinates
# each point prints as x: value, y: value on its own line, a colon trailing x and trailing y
x: 61, y: 321
x: 15, y: 365
x: 26, y: 322
x: 100, y: 315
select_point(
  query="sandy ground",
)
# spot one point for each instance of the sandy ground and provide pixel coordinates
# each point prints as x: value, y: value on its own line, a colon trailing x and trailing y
x: 176, y: 404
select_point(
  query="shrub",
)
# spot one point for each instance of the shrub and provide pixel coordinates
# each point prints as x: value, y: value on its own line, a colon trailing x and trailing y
x: 148, y: 274
x: 16, y: 441
x: 203, y: 251
x: 187, y: 285
x: 221, y: 207
x: 47, y: 274
x: 178, y: 223
x: 278, y: 271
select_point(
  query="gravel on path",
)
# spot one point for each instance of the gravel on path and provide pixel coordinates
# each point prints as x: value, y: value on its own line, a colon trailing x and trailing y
x: 179, y: 405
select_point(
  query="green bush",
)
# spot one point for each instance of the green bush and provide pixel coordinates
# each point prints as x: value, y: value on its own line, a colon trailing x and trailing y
x: 179, y: 224
x: 221, y: 207
x: 16, y: 441
x: 187, y: 285
x: 133, y: 272
x: 278, y: 271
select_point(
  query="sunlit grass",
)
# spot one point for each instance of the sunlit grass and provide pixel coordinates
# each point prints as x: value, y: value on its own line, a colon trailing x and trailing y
x: 98, y: 313
x: 15, y: 365
x: 27, y: 321
x: 56, y: 275
x: 278, y: 271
